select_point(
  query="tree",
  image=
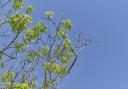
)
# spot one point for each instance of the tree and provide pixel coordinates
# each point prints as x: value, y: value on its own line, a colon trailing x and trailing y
x: 34, y: 56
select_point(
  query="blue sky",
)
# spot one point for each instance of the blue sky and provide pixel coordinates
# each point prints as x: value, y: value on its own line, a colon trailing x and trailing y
x: 102, y: 65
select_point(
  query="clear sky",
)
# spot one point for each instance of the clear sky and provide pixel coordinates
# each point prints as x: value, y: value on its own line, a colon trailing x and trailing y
x: 103, y: 65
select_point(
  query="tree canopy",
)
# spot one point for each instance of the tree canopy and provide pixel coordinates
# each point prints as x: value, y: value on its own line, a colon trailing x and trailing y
x: 34, y: 56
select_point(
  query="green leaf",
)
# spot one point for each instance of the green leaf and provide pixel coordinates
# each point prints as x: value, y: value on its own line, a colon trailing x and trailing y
x: 17, y: 4
x: 67, y: 57
x: 7, y: 76
x: 19, y: 22
x: 29, y: 9
x: 41, y: 27
x: 1, y: 56
x: 21, y: 86
x: 55, y: 68
x: 68, y: 44
x: 21, y: 46
x: 1, y: 65
x: 35, y: 32
x: 43, y: 51
x: 60, y: 33
x: 49, y: 81
x: 49, y: 14
x: 32, y: 55
x: 67, y: 24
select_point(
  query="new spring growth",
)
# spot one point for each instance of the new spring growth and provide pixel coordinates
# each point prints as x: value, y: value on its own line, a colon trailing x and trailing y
x: 49, y: 14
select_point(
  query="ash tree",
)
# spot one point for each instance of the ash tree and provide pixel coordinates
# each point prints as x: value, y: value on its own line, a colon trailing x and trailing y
x: 35, y: 56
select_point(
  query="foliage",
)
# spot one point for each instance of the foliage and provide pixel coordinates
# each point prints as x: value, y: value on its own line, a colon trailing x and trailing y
x: 17, y: 4
x: 19, y: 22
x: 35, y: 56
x: 49, y: 14
x: 21, y: 86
